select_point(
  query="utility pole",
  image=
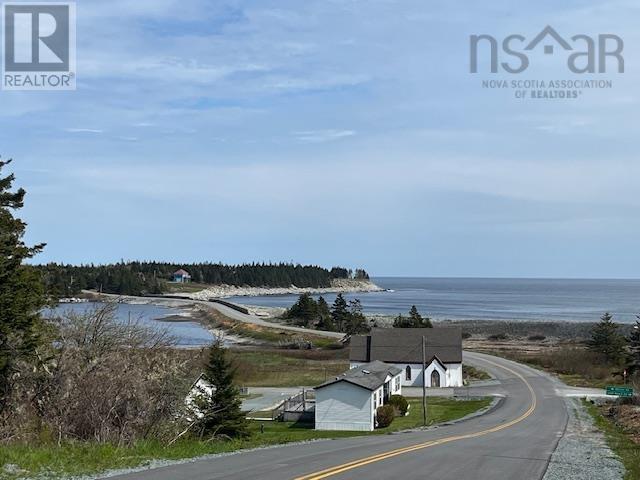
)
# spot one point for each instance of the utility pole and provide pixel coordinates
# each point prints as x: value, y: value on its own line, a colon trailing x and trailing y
x: 424, y: 383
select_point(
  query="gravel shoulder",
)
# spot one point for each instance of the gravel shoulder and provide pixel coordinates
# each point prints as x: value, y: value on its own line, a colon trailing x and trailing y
x: 582, y: 452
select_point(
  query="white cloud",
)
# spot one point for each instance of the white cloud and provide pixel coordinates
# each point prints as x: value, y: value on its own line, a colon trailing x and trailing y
x: 83, y: 130
x: 320, y: 136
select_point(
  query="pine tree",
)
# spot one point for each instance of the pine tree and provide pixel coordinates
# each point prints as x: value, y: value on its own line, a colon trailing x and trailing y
x: 401, y: 322
x: 417, y: 321
x: 325, y: 322
x: 634, y: 349
x: 606, y: 340
x: 304, y: 312
x: 21, y: 293
x: 221, y: 411
x: 357, y: 322
x: 340, y: 313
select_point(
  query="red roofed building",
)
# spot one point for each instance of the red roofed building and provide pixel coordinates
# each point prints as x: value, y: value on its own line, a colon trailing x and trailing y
x: 181, y: 276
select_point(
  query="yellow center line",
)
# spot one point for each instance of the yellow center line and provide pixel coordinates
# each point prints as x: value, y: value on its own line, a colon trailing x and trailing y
x: 329, y: 472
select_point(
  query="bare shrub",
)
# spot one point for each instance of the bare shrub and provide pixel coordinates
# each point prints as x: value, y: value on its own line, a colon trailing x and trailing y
x: 104, y: 380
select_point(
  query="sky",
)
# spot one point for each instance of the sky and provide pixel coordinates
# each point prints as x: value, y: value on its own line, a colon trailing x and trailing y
x: 331, y: 132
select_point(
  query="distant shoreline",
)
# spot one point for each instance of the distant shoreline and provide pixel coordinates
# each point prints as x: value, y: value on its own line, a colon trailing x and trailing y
x: 226, y: 291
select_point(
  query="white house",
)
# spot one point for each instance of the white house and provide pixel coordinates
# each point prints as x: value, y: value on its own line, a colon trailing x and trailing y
x: 350, y: 401
x: 200, y: 388
x: 402, y: 347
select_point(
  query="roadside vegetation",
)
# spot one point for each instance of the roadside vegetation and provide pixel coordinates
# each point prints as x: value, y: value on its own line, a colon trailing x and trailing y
x: 600, y: 360
x: 470, y: 374
x: 619, y: 439
x: 77, y: 458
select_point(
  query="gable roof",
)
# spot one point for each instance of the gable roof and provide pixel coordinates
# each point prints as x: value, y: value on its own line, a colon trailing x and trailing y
x: 181, y: 272
x: 404, y: 345
x: 370, y: 376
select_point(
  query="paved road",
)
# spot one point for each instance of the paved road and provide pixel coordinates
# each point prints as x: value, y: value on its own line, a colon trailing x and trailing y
x: 513, y: 441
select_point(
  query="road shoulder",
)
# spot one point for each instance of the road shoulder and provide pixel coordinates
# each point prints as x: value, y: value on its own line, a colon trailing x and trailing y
x: 582, y: 451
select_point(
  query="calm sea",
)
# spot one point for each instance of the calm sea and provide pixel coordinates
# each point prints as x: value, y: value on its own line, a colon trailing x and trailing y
x: 493, y: 299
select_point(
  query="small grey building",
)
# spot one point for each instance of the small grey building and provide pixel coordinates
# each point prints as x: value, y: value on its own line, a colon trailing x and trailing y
x: 350, y: 401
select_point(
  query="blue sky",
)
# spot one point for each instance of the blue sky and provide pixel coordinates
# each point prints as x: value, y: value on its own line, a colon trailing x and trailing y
x: 332, y: 132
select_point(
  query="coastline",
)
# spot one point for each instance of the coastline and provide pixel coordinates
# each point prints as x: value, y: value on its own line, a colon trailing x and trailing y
x: 226, y: 291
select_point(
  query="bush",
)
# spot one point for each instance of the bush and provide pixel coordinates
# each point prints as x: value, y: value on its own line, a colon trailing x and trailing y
x: 466, y: 335
x: 399, y: 404
x: 536, y: 338
x: 385, y: 415
x: 498, y: 336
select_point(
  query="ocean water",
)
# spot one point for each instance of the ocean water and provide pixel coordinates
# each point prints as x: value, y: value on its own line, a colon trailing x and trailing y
x: 187, y: 333
x: 492, y: 299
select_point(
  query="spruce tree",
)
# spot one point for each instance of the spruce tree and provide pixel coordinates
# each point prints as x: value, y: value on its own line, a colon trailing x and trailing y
x: 340, y: 313
x: 607, y: 341
x: 325, y: 322
x: 221, y: 413
x: 357, y: 322
x: 417, y: 320
x: 634, y: 349
x: 401, y: 322
x: 21, y: 293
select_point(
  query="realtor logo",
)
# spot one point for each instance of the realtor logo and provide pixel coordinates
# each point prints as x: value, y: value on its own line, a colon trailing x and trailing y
x: 587, y: 54
x: 38, y: 46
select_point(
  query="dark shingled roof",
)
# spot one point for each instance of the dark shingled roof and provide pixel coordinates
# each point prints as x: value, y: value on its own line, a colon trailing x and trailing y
x: 404, y: 345
x: 370, y: 376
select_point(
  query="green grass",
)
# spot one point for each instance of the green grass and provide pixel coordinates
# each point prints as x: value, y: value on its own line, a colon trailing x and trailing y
x: 621, y: 444
x: 85, y: 458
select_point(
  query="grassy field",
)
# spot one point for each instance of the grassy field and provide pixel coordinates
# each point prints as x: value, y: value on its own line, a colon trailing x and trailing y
x: 271, y: 335
x: 286, y: 368
x: 52, y: 461
x: 621, y: 444
x: 573, y: 364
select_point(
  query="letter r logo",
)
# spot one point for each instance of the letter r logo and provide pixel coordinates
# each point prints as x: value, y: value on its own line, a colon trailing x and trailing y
x: 36, y: 37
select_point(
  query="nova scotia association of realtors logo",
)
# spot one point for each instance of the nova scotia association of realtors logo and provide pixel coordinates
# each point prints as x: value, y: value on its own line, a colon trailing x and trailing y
x: 576, y: 56
x: 38, y: 46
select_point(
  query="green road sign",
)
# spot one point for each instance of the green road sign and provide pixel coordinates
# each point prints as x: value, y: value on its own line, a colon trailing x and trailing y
x: 620, y: 391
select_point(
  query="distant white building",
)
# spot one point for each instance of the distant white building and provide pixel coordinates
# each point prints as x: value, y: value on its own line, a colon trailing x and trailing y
x: 402, y: 348
x: 350, y: 401
x: 200, y: 389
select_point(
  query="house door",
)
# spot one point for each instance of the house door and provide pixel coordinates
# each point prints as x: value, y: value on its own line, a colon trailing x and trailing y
x: 435, y: 379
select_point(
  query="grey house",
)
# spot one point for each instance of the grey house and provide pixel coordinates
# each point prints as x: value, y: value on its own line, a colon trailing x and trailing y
x: 349, y: 401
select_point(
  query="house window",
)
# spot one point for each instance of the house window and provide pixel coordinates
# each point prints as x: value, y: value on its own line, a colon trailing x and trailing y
x: 407, y: 373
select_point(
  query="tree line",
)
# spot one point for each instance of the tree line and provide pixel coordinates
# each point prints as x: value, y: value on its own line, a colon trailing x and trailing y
x: 137, y: 278
x: 342, y: 316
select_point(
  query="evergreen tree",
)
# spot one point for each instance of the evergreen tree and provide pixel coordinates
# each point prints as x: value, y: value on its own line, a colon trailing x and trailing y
x: 401, y: 322
x: 417, y: 320
x: 325, y: 322
x: 304, y: 312
x: 21, y: 295
x: 221, y: 414
x: 357, y: 322
x: 634, y: 349
x: 606, y: 340
x: 340, y: 313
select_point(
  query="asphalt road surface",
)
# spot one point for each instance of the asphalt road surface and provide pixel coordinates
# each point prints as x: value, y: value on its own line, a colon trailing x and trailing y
x: 513, y: 441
